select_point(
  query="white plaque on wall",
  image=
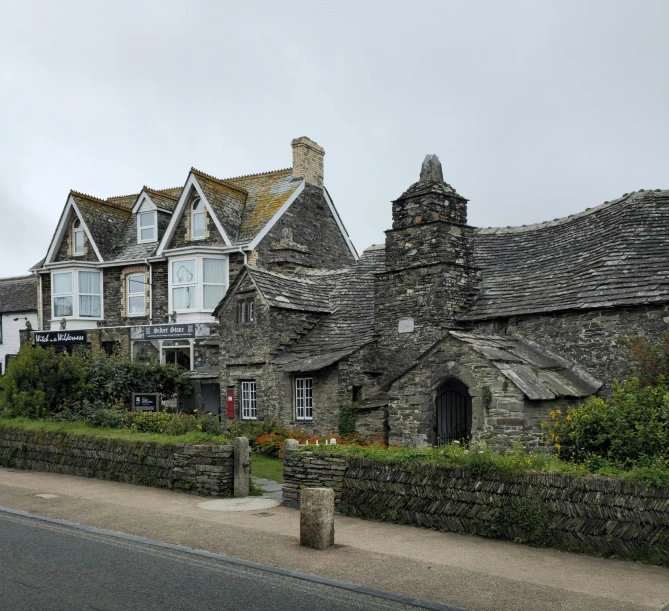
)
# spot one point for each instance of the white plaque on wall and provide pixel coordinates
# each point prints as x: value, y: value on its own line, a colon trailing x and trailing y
x: 405, y: 325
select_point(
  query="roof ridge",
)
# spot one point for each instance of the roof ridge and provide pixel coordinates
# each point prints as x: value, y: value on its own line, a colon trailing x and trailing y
x: 260, y: 174
x: 255, y: 268
x: 174, y: 197
x: 557, y: 221
x: 12, y: 278
x: 220, y: 181
x: 97, y: 200
x: 123, y: 196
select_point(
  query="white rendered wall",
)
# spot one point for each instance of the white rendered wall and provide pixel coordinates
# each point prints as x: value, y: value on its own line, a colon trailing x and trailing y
x: 11, y: 340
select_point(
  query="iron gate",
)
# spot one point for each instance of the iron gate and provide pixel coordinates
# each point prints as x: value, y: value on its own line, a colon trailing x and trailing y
x: 454, y: 412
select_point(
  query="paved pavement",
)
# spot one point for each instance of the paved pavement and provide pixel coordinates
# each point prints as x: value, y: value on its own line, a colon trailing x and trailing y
x: 52, y: 568
x: 468, y: 572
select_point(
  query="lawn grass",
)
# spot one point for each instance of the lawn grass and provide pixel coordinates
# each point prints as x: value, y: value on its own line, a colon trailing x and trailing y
x: 81, y: 428
x: 266, y: 467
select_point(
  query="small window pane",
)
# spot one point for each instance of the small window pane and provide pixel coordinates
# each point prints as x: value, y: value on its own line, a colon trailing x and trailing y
x: 89, y: 306
x: 76, y: 224
x: 148, y: 234
x: 213, y: 294
x: 183, y: 298
x: 62, y: 306
x: 147, y: 219
x: 62, y: 283
x: 214, y: 271
x: 136, y: 283
x: 196, y: 205
x: 78, y: 242
x: 183, y: 272
x: 136, y: 305
x: 198, y: 225
x: 249, y: 401
x: 89, y: 283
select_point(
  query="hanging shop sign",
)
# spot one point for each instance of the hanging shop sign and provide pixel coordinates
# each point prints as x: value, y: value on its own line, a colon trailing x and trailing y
x: 169, y: 331
x: 145, y: 401
x: 52, y: 338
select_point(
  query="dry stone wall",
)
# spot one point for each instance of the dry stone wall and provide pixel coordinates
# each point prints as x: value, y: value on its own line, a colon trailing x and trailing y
x: 201, y: 469
x: 588, y: 514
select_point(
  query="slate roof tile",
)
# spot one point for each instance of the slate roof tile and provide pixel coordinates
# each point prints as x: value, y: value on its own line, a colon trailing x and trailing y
x: 18, y: 294
x: 614, y: 255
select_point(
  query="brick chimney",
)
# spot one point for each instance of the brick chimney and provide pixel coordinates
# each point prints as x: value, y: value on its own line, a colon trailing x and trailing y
x: 308, y: 161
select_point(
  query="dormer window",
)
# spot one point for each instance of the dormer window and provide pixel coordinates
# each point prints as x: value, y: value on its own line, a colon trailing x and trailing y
x: 197, y: 220
x: 147, y: 227
x: 77, y: 238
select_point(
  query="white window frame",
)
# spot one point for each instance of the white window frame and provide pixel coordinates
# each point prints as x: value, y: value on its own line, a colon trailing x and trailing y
x: 129, y: 295
x: 198, y: 282
x: 201, y: 211
x: 247, y: 400
x: 247, y: 311
x: 153, y: 226
x: 78, y: 231
x: 304, y: 399
x: 75, y: 293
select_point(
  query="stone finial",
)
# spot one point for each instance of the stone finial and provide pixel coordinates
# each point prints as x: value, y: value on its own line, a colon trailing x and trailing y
x: 431, y: 170
x: 29, y: 326
x: 63, y: 324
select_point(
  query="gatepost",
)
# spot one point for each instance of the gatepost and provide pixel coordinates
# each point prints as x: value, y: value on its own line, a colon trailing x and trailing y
x: 242, y: 467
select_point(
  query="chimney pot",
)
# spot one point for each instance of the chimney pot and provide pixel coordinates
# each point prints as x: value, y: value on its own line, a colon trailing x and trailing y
x: 308, y: 161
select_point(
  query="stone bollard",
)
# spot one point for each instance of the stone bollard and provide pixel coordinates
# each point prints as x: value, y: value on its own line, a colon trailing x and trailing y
x: 317, y: 517
x: 289, y: 446
x: 242, y: 467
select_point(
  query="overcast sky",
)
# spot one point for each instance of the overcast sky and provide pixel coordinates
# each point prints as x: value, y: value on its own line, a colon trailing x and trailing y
x: 537, y: 108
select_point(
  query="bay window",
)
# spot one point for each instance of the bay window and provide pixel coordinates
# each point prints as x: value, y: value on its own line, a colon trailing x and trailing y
x: 136, y: 295
x: 77, y: 294
x: 304, y: 398
x: 197, y: 283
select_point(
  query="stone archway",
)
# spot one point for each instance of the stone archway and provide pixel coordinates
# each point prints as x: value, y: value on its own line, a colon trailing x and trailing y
x: 455, y: 371
x: 453, y: 405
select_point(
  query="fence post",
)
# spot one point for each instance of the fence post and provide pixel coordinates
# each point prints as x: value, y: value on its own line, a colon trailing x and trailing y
x: 242, y: 467
x: 289, y: 446
x: 317, y: 518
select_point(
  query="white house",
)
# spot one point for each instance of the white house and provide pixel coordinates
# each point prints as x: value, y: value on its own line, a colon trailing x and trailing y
x: 18, y: 305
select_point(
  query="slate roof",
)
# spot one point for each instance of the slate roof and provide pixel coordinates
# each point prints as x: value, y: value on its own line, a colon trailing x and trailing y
x: 18, y: 294
x: 614, y: 255
x: 351, y: 323
x: 104, y: 219
x: 303, y: 293
x: 266, y: 194
x: 539, y: 373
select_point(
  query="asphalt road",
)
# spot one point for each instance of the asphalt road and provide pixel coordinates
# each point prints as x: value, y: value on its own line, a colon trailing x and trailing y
x: 49, y: 567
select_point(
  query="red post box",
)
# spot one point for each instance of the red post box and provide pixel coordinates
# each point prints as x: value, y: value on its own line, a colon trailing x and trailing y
x: 231, y: 402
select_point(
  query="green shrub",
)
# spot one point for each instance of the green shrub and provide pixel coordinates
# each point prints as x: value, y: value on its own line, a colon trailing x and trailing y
x: 631, y: 429
x: 650, y: 359
x: 346, y: 420
x: 39, y: 382
x: 165, y: 423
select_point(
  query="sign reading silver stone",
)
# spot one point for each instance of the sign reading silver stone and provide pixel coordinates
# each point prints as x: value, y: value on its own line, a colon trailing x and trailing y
x: 405, y: 325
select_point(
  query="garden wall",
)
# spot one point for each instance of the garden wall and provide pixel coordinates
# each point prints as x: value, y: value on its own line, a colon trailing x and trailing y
x: 589, y: 514
x: 207, y: 470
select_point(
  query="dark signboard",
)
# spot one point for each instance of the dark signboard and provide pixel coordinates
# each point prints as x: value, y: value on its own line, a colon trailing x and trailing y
x: 169, y: 331
x: 52, y: 338
x: 145, y: 401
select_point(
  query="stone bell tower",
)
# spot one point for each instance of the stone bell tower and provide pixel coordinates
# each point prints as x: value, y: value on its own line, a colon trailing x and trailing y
x: 429, y: 280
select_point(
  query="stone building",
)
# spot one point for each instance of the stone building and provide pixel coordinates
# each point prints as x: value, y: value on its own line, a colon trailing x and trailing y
x: 447, y: 331
x: 18, y: 310
x: 145, y: 271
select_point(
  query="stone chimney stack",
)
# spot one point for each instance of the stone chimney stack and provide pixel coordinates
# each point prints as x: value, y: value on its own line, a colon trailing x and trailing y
x: 308, y: 161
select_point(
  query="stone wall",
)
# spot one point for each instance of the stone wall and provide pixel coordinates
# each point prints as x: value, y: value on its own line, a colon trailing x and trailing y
x: 590, y: 514
x: 206, y: 470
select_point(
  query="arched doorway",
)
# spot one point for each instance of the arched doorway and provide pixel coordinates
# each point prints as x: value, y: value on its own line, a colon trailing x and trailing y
x: 454, y: 412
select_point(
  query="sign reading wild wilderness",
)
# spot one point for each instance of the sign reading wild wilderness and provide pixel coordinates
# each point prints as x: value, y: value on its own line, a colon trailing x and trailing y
x: 169, y: 331
x: 146, y: 401
x: 50, y: 338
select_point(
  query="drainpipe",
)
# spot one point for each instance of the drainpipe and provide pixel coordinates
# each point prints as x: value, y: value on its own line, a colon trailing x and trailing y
x: 146, y: 262
x: 40, y: 324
